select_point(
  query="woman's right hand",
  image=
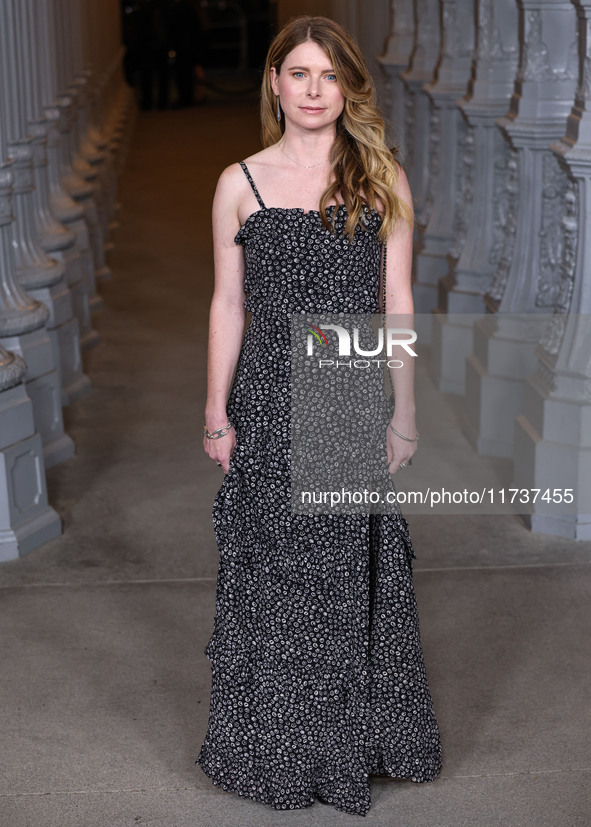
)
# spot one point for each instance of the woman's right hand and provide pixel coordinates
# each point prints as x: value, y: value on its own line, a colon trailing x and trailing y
x: 220, y: 450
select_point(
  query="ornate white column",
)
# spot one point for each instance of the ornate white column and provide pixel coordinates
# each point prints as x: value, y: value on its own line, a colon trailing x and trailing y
x: 118, y: 106
x: 89, y: 159
x: 371, y: 31
x: 79, y: 177
x: 541, y: 102
x: 53, y: 236
x: 421, y: 122
x: 102, y: 55
x: 553, y: 432
x: 394, y: 61
x: 452, y: 142
x: 527, y: 280
x: 26, y: 520
x: 35, y: 270
x: 67, y: 210
x: 480, y: 235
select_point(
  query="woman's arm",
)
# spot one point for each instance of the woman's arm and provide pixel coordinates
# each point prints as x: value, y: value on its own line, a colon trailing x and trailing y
x: 226, y: 316
x: 400, y: 313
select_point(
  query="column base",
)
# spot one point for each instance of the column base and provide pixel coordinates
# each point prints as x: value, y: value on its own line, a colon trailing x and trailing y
x: 43, y: 386
x: 26, y: 519
x: 503, y: 356
x: 62, y: 329
x: 577, y: 527
x: 456, y: 298
x: 429, y: 268
x: 423, y: 325
x: 424, y: 298
x: 28, y: 536
x: 452, y: 338
x: 58, y: 450
x: 553, y: 454
x: 488, y: 398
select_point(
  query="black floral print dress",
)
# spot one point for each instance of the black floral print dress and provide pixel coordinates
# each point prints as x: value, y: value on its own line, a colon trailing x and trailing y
x: 318, y: 678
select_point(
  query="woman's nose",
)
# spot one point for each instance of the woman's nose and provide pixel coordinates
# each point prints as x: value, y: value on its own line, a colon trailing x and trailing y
x: 314, y: 88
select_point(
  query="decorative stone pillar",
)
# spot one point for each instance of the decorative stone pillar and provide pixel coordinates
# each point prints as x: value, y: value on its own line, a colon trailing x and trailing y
x: 421, y: 125
x: 371, y: 31
x: 81, y: 178
x: 553, y: 432
x: 394, y: 61
x: 53, y: 236
x: 113, y: 108
x: 68, y: 211
x: 451, y: 141
x: 527, y: 279
x: 479, y: 238
x: 35, y: 270
x: 26, y: 519
x: 92, y: 146
x: 94, y: 149
x: 113, y: 105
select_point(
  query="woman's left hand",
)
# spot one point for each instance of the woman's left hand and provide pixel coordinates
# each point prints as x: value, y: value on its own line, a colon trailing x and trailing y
x: 400, y: 451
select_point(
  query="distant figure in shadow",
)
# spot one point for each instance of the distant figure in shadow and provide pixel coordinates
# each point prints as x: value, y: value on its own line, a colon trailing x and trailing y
x: 153, y: 36
x: 187, y: 43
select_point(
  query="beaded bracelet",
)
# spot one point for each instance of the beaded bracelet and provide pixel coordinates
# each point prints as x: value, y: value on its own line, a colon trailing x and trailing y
x: 219, y: 432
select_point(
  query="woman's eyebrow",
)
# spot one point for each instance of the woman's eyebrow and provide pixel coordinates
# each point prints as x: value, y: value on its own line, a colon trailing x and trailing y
x: 307, y: 69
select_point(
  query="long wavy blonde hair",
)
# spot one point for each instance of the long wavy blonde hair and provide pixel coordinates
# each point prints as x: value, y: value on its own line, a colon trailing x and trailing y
x: 363, y: 169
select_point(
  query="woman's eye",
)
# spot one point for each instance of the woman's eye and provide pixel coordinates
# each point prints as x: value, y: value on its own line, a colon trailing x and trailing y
x: 298, y: 74
x: 331, y: 77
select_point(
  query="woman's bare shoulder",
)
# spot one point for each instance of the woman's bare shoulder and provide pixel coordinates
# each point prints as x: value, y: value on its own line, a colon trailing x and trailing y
x: 231, y: 176
x: 232, y: 188
x: 265, y: 157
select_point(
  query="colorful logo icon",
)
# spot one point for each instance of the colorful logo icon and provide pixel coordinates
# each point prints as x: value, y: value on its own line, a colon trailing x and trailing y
x: 315, y: 331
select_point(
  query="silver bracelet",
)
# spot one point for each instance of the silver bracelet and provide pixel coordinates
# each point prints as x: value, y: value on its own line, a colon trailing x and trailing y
x: 405, y: 438
x: 219, y: 432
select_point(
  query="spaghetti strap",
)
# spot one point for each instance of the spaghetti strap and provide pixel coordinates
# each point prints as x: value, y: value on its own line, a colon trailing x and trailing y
x: 253, y: 185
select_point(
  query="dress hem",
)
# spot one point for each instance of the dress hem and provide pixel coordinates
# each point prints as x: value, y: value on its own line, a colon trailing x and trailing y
x: 315, y: 789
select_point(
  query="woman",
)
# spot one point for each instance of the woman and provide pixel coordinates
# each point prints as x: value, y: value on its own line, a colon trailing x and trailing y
x: 318, y: 679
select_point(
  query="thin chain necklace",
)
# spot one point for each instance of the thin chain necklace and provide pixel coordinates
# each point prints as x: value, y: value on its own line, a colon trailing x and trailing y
x: 306, y: 166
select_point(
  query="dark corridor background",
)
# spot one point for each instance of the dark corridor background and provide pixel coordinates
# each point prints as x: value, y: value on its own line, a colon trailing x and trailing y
x: 180, y: 52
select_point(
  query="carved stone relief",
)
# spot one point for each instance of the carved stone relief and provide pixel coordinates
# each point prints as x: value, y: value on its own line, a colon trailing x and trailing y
x: 464, y: 194
x: 555, y: 185
x: 506, y: 199
x: 457, y: 42
x: 534, y: 57
x: 554, y: 333
x: 535, y: 61
x: 584, y: 88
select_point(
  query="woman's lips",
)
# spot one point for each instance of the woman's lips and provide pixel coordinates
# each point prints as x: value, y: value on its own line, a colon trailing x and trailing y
x: 312, y: 108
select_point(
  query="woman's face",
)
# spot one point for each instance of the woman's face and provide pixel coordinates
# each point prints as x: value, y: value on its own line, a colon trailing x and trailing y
x: 307, y: 87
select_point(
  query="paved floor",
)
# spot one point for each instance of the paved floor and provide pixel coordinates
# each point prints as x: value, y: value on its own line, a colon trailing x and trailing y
x: 105, y: 686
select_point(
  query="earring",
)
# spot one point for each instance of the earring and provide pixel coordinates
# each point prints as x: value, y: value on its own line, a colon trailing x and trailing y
x: 278, y: 110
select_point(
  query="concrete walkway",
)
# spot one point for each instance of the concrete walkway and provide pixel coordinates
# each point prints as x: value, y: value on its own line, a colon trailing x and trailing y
x: 105, y: 687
